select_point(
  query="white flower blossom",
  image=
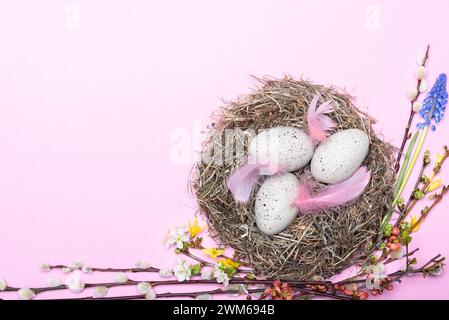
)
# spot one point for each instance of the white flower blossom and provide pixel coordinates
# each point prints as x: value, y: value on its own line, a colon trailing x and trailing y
x: 86, y: 269
x: 207, y: 275
x: 2, y: 284
x: 77, y: 264
x: 205, y: 296
x: 54, y: 282
x: 398, y: 254
x: 423, y: 86
x: 150, y: 295
x: 165, y: 273
x: 221, y: 276
x: 26, y: 294
x: 377, y: 274
x: 374, y: 281
x: 143, y: 287
x: 420, y: 59
x: 120, y: 277
x: 182, y: 270
x: 412, y: 93
x: 417, y: 106
x: 421, y: 72
x: 437, y: 271
x: 378, y: 268
x: 66, y: 270
x: 100, y: 292
x: 45, y: 267
x: 142, y: 264
x: 177, y: 237
x: 74, y: 283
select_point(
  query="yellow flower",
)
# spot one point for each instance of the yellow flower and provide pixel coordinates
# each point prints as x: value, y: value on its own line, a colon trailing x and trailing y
x: 438, y: 159
x: 435, y: 184
x: 195, y: 228
x: 213, y: 252
x: 229, y: 263
x: 412, y: 223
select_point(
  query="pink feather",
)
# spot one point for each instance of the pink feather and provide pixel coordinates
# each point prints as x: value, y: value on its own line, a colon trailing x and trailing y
x: 318, y: 122
x: 243, y: 180
x: 334, y: 195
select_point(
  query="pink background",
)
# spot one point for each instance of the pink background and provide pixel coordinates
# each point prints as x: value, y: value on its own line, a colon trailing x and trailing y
x: 87, y: 111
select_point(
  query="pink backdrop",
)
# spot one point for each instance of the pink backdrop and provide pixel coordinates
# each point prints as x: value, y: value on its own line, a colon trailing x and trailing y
x: 92, y: 94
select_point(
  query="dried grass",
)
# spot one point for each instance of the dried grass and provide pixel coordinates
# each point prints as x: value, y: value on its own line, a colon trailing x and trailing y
x: 316, y: 244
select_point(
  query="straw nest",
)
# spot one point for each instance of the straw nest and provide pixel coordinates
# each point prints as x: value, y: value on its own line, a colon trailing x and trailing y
x: 323, y: 243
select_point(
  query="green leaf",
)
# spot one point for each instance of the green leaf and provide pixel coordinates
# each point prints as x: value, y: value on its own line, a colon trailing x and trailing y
x: 195, y: 269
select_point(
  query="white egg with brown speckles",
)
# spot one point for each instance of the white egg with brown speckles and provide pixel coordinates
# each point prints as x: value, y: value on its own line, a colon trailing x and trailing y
x: 339, y: 156
x: 273, y: 206
x: 288, y: 147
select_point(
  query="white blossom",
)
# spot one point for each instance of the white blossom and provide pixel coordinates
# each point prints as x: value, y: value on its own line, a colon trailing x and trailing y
x: 378, y: 268
x: 45, y: 267
x: 205, y: 296
x: 2, y: 284
x: 177, y: 237
x: 66, y: 270
x: 150, y: 295
x: 182, y: 270
x: 54, y: 282
x: 77, y: 264
x: 165, y: 273
x: 100, y: 292
x: 421, y: 72
x: 376, y: 275
x: 74, y: 283
x: 207, y: 275
x: 417, y: 106
x: 423, y: 86
x: 412, y: 93
x: 221, y: 276
x: 143, y: 287
x: 121, y: 277
x: 26, y: 294
x: 86, y: 269
x: 420, y: 59
x: 437, y: 271
x: 142, y: 264
x: 398, y: 254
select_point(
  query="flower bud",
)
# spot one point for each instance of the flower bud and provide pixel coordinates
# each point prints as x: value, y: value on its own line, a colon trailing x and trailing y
x: 420, y: 59
x: 2, y: 284
x: 121, y: 277
x: 417, y: 106
x: 143, y: 287
x: 412, y: 93
x: 26, y: 294
x: 423, y: 86
x: 45, y: 267
x: 54, y: 282
x: 421, y: 72
x: 150, y: 295
x: 100, y: 292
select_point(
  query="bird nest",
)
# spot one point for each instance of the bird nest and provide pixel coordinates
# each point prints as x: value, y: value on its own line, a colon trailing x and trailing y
x: 322, y: 243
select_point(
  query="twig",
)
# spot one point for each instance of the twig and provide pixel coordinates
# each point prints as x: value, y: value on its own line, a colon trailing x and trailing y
x: 411, y: 116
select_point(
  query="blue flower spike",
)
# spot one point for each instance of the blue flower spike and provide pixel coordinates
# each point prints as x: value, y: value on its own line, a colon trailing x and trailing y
x: 434, y: 104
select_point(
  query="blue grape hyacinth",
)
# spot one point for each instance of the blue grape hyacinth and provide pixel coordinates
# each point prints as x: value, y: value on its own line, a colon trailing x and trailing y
x: 434, y: 104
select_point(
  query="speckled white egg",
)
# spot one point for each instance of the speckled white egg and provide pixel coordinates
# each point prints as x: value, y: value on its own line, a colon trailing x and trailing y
x: 273, y: 206
x: 290, y: 148
x: 339, y: 156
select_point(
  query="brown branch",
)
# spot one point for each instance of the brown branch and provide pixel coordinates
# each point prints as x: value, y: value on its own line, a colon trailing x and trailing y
x: 410, y: 119
x: 96, y: 269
